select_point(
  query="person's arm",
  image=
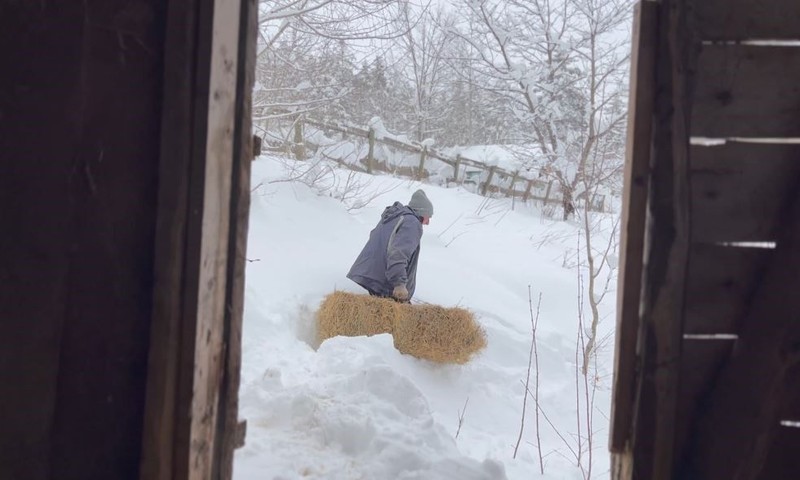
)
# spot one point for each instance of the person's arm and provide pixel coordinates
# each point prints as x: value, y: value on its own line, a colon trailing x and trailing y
x: 402, y: 244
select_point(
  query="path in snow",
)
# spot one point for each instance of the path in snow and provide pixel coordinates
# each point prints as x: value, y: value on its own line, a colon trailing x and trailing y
x: 358, y: 409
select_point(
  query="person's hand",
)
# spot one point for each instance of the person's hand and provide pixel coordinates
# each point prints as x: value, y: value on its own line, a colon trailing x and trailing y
x: 400, y: 292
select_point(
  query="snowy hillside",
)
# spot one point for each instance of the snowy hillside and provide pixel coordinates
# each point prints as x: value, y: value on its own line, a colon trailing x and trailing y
x: 355, y: 408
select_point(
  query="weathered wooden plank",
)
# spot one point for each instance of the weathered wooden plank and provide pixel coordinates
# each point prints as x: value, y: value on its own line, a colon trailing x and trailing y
x: 371, y: 151
x: 421, y: 173
x: 701, y: 361
x: 747, y: 91
x: 738, y: 189
x: 210, y: 227
x: 782, y: 460
x: 488, y: 183
x: 102, y: 370
x: 230, y: 436
x: 512, y: 192
x: 721, y: 280
x: 166, y: 431
x: 668, y: 240
x: 299, y: 147
x: 347, y: 130
x: 176, y: 155
x: 634, y: 209
x: 186, y: 357
x: 550, y: 187
x: 442, y: 158
x: 456, y: 167
x: 527, y: 193
x: 791, y: 395
x: 76, y: 250
x: 668, y: 301
x: 747, y: 19
x: 409, y: 147
x: 751, y: 385
x: 37, y: 219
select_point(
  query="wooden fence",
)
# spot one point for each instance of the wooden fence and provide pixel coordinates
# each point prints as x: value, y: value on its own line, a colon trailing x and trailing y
x: 491, y: 180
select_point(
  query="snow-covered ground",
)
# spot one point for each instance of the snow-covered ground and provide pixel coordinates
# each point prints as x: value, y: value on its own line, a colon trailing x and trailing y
x: 355, y: 408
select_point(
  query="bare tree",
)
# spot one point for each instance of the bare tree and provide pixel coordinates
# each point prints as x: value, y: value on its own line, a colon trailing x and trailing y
x: 298, y: 75
x: 306, y: 61
x: 600, y: 244
x: 423, y: 48
x: 332, y: 19
x: 561, y: 65
x: 585, y: 389
x: 561, y: 68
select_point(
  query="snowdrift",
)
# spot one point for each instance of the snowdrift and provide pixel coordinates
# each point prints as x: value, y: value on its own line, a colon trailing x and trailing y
x: 354, y: 407
x: 430, y: 332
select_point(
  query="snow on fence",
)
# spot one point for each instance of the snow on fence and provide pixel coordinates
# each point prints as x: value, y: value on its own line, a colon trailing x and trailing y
x: 420, y: 161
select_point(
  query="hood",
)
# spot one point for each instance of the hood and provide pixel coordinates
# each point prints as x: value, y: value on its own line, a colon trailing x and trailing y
x: 394, y: 211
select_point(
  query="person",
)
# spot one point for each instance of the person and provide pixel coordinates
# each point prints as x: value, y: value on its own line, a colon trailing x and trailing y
x: 387, y: 265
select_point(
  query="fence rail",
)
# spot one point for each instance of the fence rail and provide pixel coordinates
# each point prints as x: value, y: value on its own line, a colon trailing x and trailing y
x: 457, y: 162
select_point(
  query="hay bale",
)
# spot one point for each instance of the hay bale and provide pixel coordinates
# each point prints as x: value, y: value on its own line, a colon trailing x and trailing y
x: 352, y: 315
x: 443, y: 335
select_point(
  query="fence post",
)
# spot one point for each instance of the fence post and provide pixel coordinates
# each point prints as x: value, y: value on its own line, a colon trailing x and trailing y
x: 527, y: 193
x: 371, y: 151
x: 421, y: 169
x: 299, y: 147
x: 257, y: 141
x: 547, y: 193
x: 602, y: 203
x: 488, y: 180
x: 511, y: 190
x: 455, y: 169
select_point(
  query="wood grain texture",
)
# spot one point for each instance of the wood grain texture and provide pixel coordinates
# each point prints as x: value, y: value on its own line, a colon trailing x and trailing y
x: 782, y: 457
x: 667, y: 244
x: 229, y: 431
x: 747, y: 91
x: 192, y: 332
x: 177, y: 153
x: 634, y: 214
x: 738, y: 190
x: 752, y: 384
x: 748, y: 19
x: 79, y: 131
x: 719, y: 286
x: 701, y: 361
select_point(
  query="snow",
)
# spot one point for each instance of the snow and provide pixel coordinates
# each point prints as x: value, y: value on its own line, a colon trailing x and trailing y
x: 381, y: 132
x: 355, y: 408
x: 506, y: 158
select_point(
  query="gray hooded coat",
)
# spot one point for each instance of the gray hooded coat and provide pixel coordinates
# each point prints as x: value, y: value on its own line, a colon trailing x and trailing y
x: 390, y: 256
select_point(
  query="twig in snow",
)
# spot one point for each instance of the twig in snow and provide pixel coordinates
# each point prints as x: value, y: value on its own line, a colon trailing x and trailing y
x: 501, y: 218
x: 453, y: 239
x: 461, y: 417
x: 535, y: 324
x: 566, y: 443
x: 450, y: 226
x: 528, y: 376
x: 260, y: 184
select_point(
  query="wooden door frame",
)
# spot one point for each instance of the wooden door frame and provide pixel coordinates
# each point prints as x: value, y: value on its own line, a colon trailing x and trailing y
x: 190, y: 423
